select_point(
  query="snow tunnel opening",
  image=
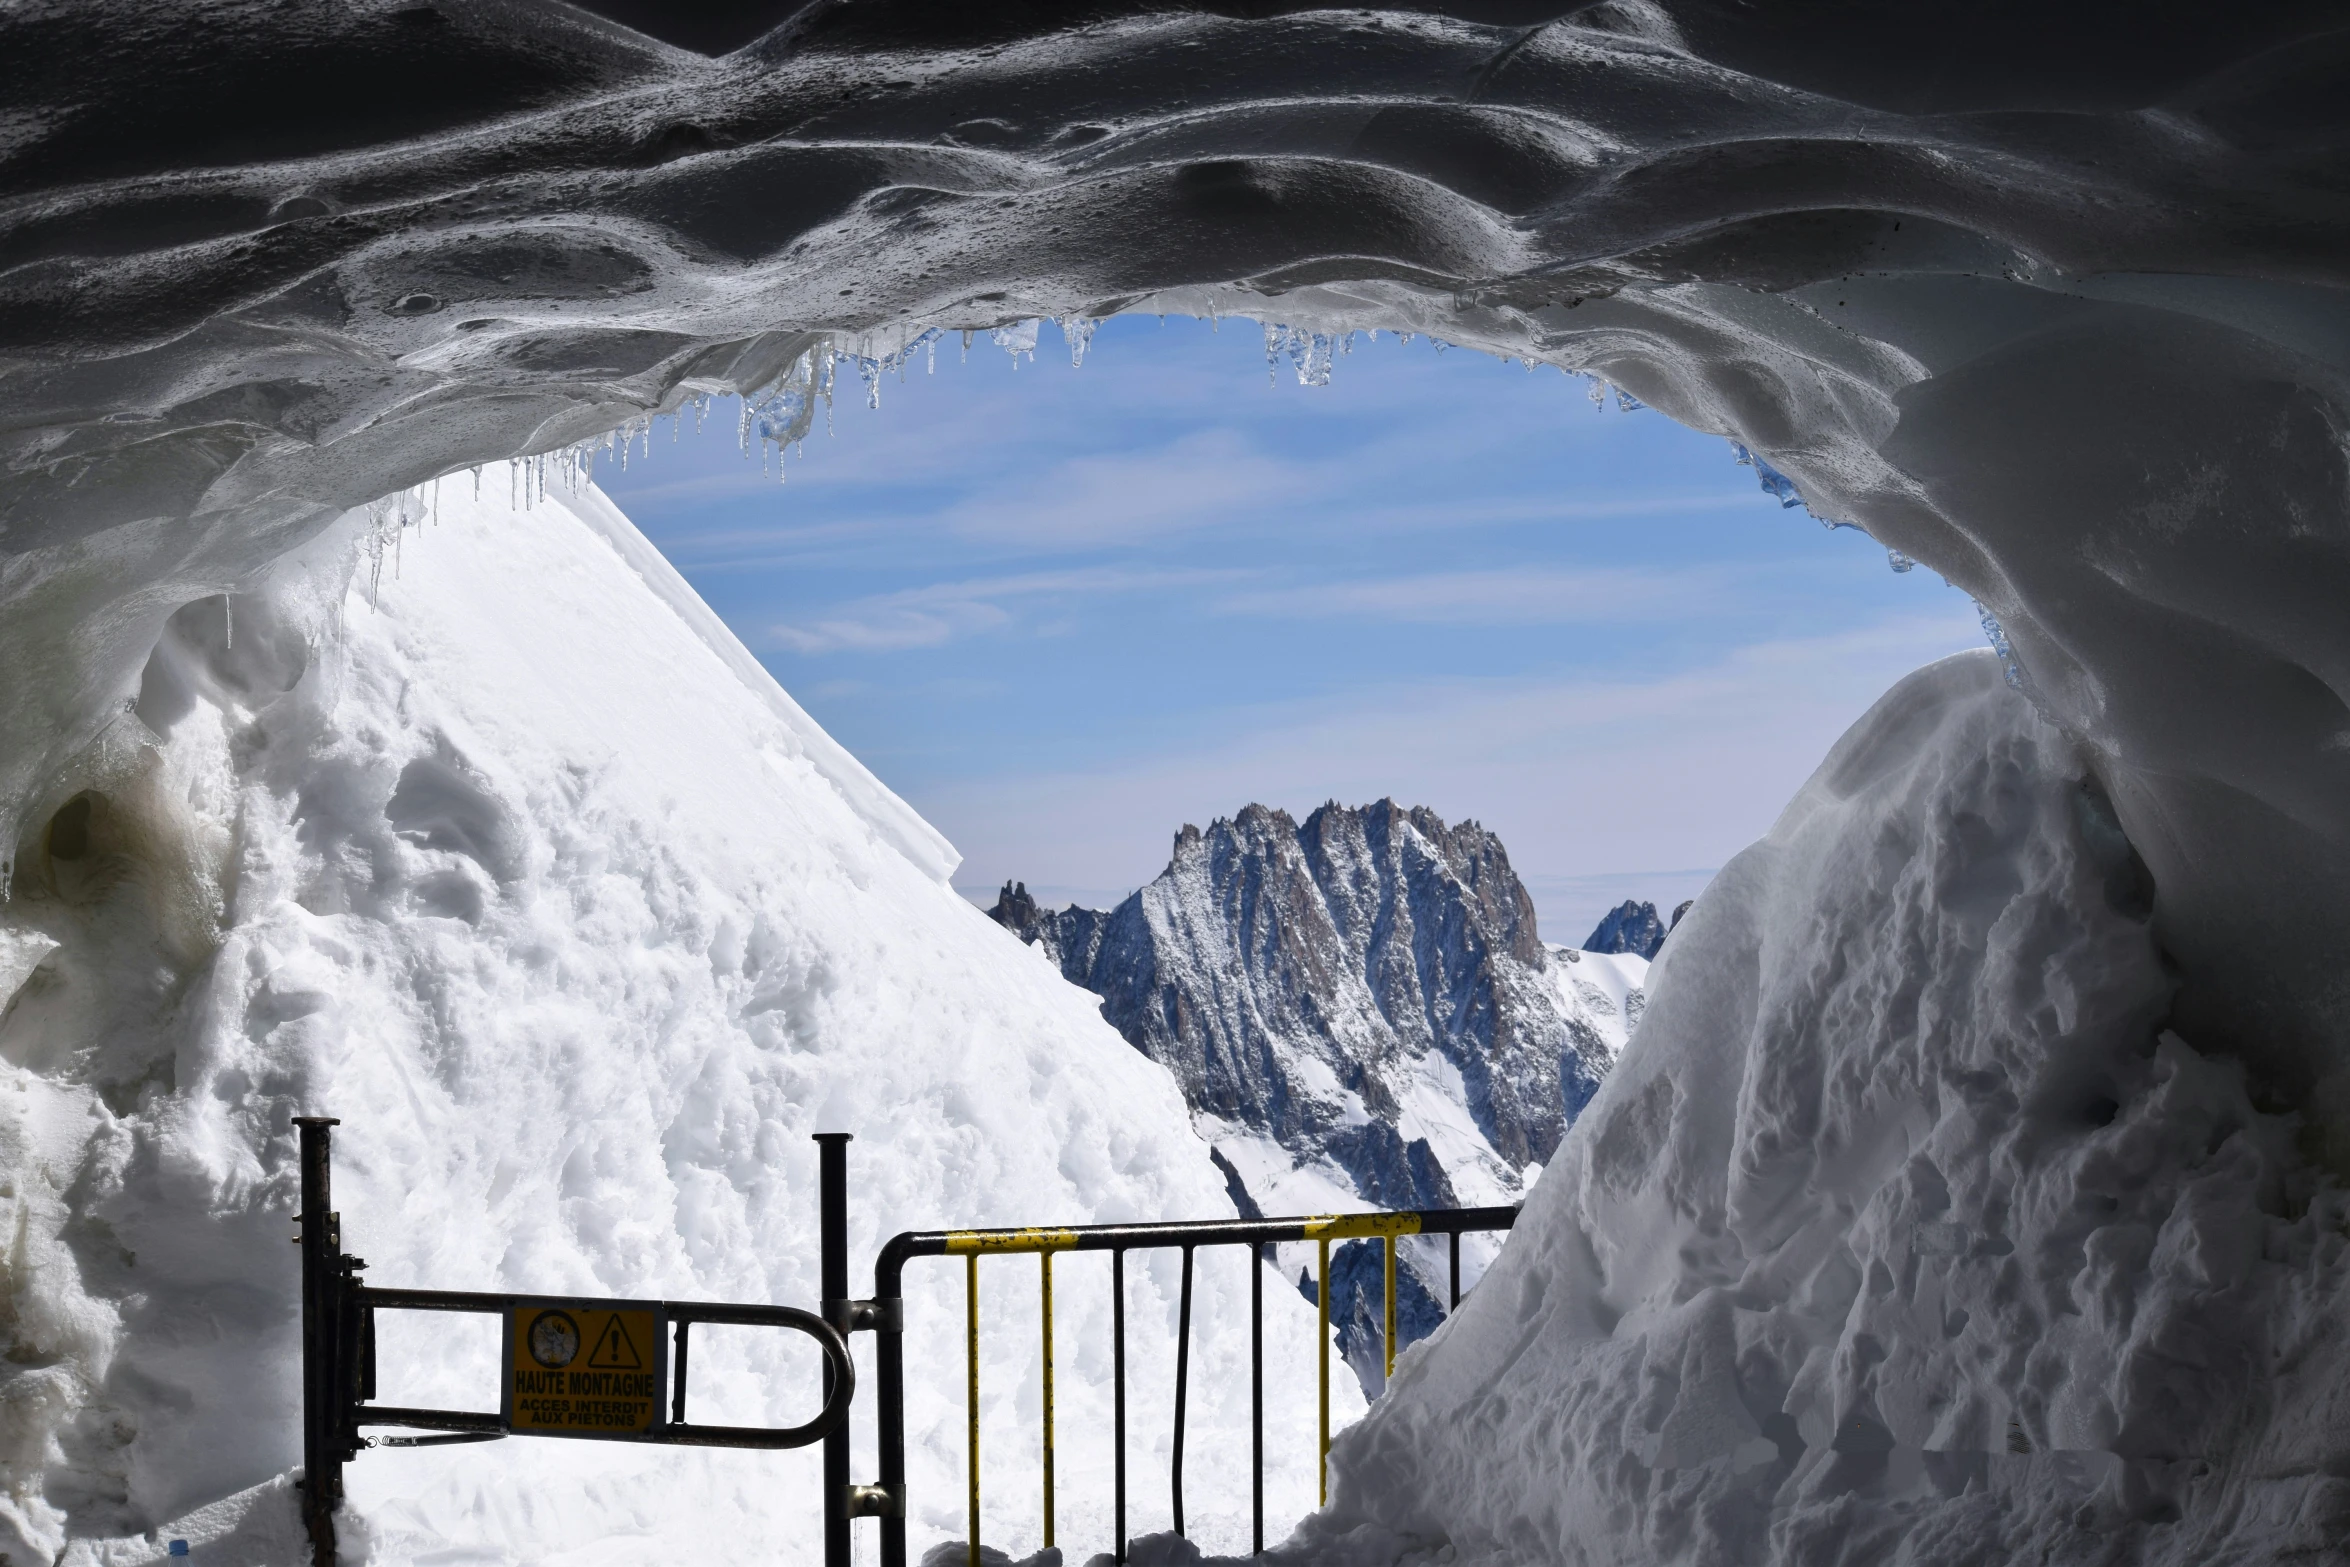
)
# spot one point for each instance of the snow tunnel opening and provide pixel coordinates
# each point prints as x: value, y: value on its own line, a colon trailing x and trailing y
x: 1043, y: 554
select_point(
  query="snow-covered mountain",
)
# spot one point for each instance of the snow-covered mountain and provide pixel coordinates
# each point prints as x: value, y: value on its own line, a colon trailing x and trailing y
x: 1358, y: 1009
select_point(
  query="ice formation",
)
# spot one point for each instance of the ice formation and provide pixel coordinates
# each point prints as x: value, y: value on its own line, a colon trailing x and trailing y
x: 1905, y: 1231
x: 518, y: 862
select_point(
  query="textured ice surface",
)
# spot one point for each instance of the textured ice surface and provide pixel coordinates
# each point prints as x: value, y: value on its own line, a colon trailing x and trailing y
x: 527, y: 871
x: 1903, y: 1232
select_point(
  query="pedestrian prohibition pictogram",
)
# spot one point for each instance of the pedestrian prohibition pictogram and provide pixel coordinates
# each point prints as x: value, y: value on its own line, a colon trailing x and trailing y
x: 579, y: 1369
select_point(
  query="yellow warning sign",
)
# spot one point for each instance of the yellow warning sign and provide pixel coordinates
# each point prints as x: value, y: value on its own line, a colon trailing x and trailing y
x: 581, y: 1369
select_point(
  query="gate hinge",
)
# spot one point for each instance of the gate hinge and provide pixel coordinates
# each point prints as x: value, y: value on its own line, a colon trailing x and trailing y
x: 868, y: 1501
x: 886, y: 1315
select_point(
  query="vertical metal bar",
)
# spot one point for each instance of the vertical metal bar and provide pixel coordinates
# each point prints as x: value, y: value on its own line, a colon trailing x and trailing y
x: 832, y: 1216
x: 1182, y: 1383
x: 366, y: 1353
x: 971, y: 1396
x: 1046, y: 1285
x: 677, y: 1417
x: 1118, y: 1395
x: 321, y: 1243
x: 889, y: 1363
x: 1387, y: 1324
x: 322, y: 1458
x: 1322, y: 1294
x: 1456, y: 1272
x: 1256, y: 1394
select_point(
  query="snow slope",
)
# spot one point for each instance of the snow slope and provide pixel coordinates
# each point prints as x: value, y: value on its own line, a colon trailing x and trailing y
x: 502, y: 850
x: 1904, y: 1232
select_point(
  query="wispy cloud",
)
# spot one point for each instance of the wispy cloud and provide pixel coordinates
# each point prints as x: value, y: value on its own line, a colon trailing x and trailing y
x: 1207, y: 479
x: 941, y: 612
x: 1583, y: 778
x: 1518, y: 596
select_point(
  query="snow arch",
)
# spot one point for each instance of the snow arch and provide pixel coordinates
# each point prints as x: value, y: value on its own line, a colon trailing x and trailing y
x: 2046, y: 296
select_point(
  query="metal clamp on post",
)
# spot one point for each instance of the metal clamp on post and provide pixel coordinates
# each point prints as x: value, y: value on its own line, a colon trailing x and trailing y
x: 867, y: 1501
x: 866, y: 1316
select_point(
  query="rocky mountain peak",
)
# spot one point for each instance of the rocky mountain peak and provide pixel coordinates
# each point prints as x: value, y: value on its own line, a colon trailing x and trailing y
x: 1359, y: 1007
x: 1015, y: 910
x: 1631, y: 927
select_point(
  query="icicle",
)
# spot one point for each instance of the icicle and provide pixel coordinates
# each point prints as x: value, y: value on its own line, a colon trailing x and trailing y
x: 1077, y: 331
x: 2009, y: 664
x: 1309, y: 353
x: 966, y: 345
x: 1598, y: 393
x: 930, y: 346
x: 477, y: 481
x: 228, y: 622
x: 1771, y: 479
x: 1017, y: 339
x: 1627, y: 403
x: 1899, y: 562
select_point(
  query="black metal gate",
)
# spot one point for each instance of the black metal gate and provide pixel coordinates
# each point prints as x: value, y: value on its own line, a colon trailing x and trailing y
x: 613, y: 1370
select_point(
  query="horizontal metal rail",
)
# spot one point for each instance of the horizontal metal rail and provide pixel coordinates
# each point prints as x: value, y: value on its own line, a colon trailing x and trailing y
x: 680, y: 1315
x: 1118, y: 1239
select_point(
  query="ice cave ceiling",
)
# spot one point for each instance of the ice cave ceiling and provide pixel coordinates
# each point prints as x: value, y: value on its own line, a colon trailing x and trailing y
x: 2047, y: 295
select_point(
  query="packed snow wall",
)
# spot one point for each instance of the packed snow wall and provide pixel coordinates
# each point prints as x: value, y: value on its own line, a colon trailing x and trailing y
x: 1904, y: 1231
x: 483, y: 835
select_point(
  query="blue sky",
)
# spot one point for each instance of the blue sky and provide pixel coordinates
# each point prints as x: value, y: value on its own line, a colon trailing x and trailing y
x: 1064, y: 611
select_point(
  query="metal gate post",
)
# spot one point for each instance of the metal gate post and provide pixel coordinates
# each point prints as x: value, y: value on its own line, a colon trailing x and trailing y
x: 889, y: 1364
x: 322, y: 1339
x: 832, y: 1202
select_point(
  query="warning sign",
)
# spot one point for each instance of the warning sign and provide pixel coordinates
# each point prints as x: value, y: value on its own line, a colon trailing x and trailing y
x: 580, y: 1368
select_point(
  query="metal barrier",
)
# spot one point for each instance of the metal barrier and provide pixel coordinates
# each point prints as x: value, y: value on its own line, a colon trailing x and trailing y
x: 569, y: 1366
x: 1117, y: 1240
x: 615, y: 1370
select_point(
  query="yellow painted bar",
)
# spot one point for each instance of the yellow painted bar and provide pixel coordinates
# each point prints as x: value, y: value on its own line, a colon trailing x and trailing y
x: 1359, y: 1226
x: 1389, y: 1327
x: 971, y: 1392
x: 1046, y: 1258
x: 967, y: 1243
x: 1322, y: 1295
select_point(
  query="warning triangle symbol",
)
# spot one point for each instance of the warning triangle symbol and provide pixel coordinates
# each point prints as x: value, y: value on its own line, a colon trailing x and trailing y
x: 614, y: 1351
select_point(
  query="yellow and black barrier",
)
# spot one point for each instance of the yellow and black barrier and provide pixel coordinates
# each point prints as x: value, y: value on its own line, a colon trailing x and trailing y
x: 1117, y: 1240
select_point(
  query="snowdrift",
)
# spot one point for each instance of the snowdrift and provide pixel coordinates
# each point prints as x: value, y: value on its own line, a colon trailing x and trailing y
x: 486, y: 837
x: 1903, y: 1232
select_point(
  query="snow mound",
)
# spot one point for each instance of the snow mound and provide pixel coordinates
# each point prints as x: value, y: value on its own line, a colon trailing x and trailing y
x: 1903, y: 1232
x: 500, y: 848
